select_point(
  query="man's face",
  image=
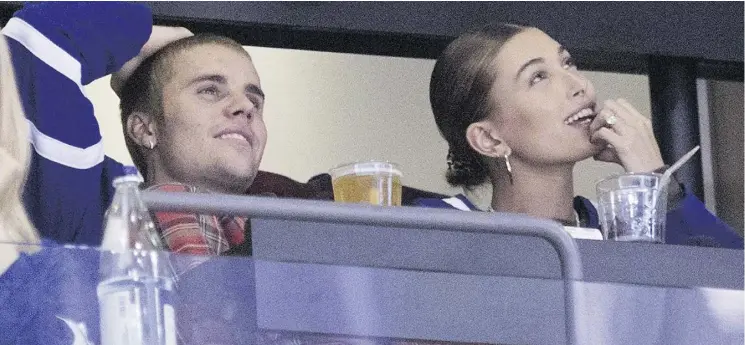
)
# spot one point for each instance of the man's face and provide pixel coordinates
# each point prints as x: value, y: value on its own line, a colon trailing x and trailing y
x: 212, y: 131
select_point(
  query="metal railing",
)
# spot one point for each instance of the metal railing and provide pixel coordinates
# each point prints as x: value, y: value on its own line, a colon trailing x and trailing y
x: 400, y: 217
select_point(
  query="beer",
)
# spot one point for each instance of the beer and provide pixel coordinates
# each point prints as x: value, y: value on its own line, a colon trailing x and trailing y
x: 376, y: 183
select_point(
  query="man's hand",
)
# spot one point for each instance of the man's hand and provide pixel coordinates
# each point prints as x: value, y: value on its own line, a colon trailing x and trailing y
x: 160, y: 37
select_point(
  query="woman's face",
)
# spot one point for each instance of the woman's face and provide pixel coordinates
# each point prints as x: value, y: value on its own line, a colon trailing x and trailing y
x: 543, y: 103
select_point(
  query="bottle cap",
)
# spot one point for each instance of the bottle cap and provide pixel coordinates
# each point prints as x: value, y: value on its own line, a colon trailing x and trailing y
x: 131, y: 170
x: 131, y: 174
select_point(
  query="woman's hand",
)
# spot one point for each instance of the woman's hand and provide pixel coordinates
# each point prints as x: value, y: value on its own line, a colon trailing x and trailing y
x: 628, y: 137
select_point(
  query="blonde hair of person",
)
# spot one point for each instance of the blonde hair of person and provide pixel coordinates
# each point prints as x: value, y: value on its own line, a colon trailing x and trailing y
x: 15, y: 226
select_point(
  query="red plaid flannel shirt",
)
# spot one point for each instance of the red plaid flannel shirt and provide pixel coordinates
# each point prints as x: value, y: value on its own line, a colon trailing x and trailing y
x: 198, y: 234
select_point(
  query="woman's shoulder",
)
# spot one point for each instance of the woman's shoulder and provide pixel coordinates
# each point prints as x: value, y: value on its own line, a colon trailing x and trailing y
x: 22, y: 287
x: 29, y: 263
x: 458, y: 202
x: 49, y: 264
x: 51, y: 286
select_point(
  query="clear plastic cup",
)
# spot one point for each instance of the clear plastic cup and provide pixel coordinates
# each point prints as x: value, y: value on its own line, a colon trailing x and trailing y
x: 632, y: 207
x: 373, y: 182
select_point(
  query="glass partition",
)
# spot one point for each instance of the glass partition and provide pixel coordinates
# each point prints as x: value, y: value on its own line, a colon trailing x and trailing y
x: 240, y: 300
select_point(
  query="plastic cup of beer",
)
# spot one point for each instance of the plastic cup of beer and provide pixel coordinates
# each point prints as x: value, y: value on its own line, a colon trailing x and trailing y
x: 371, y: 182
x: 633, y: 207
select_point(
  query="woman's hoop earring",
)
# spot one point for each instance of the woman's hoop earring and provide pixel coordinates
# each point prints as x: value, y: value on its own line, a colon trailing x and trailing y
x: 509, y: 167
x: 151, y: 144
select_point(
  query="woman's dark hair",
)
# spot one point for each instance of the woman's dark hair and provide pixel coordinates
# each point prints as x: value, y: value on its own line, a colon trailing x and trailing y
x: 459, y: 93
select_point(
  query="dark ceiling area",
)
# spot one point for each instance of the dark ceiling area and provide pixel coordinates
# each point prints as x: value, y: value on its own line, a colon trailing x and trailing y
x: 603, y: 36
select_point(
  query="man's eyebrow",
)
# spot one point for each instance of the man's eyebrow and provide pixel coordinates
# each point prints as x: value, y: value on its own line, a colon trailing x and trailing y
x: 255, y: 89
x: 220, y: 79
x: 209, y: 77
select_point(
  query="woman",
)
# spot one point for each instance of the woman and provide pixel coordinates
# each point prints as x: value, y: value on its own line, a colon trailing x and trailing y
x: 33, y: 282
x: 14, y: 160
x: 517, y: 113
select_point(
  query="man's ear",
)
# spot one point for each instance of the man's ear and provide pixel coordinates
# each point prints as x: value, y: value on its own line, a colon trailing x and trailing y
x: 141, y: 129
x: 484, y: 138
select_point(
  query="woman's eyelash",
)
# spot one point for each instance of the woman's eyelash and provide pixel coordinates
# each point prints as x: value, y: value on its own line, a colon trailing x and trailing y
x: 537, y: 75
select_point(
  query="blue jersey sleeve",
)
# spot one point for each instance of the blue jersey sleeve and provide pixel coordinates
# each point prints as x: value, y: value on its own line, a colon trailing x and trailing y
x: 56, y: 48
x: 691, y: 222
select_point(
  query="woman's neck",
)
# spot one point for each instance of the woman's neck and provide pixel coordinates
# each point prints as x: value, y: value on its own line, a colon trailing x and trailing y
x: 539, y: 192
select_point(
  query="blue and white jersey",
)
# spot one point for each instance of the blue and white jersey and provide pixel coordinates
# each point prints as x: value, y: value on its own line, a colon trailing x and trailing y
x: 56, y: 48
x: 688, y: 220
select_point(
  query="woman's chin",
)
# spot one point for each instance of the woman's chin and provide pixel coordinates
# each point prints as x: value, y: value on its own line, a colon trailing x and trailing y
x: 588, y: 150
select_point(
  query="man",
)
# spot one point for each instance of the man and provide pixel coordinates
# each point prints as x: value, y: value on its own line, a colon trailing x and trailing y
x: 193, y: 119
x: 199, y: 124
x: 56, y: 48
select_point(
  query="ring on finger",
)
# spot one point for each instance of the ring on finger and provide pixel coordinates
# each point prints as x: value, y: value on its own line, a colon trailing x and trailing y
x: 611, y: 120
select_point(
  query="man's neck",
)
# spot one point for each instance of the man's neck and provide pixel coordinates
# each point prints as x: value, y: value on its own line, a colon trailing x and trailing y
x: 154, y: 178
x: 539, y: 192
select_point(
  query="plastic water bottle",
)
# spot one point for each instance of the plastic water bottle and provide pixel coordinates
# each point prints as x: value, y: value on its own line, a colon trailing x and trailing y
x: 136, y: 285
